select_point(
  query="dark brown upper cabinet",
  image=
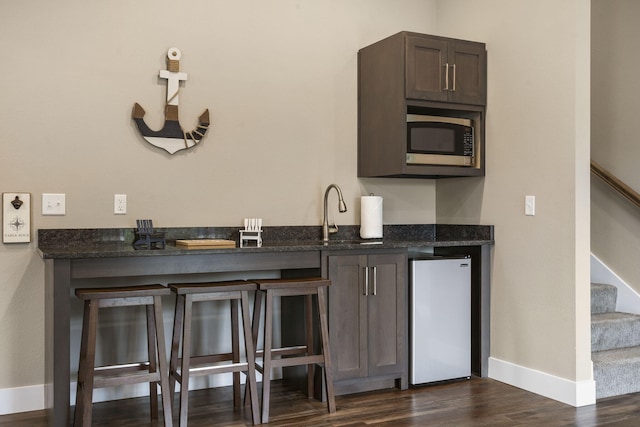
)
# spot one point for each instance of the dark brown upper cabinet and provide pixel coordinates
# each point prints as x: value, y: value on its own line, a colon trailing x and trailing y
x: 411, y: 73
x: 440, y: 69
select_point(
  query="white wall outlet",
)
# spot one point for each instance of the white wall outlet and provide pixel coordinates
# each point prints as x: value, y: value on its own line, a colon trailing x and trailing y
x: 530, y: 205
x: 54, y: 204
x: 119, y: 204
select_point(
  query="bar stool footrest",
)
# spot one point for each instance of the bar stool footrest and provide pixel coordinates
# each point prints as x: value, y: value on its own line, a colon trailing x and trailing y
x: 297, y: 361
x: 222, y: 369
x: 104, y: 382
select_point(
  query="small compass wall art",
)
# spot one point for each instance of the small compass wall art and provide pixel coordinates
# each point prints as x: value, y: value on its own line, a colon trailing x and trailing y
x: 16, y: 217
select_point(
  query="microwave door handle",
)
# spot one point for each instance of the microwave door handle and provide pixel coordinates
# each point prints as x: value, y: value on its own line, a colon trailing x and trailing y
x: 446, y: 76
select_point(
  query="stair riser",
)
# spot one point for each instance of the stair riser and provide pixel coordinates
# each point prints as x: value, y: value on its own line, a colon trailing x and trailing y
x: 616, y: 379
x: 615, y: 334
x: 615, y: 344
x: 603, y: 299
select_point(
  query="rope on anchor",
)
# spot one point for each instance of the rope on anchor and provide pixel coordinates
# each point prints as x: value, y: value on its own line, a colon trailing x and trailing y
x: 192, y: 135
x: 174, y: 65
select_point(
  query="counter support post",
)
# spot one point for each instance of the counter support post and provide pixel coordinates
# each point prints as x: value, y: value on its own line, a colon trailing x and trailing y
x: 57, y: 341
x: 485, y: 309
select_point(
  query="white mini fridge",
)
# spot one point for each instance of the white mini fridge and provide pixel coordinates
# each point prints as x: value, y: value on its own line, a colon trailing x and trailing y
x: 440, y: 322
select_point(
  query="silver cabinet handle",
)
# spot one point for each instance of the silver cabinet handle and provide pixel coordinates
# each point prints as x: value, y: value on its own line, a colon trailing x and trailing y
x: 446, y: 76
x: 375, y: 281
x: 454, y: 77
x: 366, y: 281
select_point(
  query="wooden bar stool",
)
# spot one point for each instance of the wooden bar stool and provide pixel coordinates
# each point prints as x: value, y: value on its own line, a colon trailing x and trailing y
x: 153, y: 372
x: 187, y: 365
x: 298, y: 355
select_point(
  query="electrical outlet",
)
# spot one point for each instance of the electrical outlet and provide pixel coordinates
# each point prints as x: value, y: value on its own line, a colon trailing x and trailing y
x: 54, y: 204
x: 119, y: 204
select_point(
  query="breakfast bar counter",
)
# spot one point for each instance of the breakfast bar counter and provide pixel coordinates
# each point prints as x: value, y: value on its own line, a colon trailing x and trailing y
x: 75, y: 255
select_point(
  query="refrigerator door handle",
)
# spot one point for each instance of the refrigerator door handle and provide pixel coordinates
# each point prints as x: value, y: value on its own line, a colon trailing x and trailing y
x: 375, y: 280
x: 366, y: 282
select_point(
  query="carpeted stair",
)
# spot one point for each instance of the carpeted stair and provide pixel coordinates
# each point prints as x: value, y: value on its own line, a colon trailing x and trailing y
x: 615, y: 344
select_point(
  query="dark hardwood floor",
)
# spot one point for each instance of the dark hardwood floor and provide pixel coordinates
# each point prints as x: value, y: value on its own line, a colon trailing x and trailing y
x: 478, y: 402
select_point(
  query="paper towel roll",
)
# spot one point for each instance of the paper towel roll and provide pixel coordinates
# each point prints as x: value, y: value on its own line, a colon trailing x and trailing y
x: 371, y: 217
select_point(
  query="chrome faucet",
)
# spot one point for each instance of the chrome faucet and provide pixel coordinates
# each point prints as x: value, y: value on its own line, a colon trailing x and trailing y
x: 342, y: 207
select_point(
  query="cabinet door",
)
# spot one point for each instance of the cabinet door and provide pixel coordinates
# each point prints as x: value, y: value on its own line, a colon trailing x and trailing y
x: 426, y: 69
x: 348, y: 316
x: 387, y: 314
x: 446, y: 70
x: 468, y: 73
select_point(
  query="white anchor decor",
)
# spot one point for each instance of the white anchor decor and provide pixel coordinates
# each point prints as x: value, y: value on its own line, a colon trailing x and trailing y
x: 171, y: 137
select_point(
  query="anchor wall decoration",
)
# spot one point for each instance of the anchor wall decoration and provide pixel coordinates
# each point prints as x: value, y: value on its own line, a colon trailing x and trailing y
x: 171, y: 137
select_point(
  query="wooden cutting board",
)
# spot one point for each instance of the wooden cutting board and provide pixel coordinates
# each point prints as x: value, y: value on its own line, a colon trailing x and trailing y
x: 206, y: 243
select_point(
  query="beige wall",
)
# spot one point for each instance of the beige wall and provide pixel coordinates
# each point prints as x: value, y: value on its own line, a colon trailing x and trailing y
x: 615, y: 225
x: 537, y: 144
x: 279, y: 78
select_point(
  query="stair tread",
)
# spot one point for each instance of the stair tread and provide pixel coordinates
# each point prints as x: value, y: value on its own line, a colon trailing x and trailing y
x: 616, y: 356
x: 613, y: 316
x: 602, y: 285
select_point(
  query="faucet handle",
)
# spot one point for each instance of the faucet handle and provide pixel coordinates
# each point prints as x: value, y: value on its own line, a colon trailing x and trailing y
x: 333, y: 229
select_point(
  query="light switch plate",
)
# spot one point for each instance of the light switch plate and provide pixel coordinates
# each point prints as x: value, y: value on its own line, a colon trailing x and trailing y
x: 529, y: 205
x: 16, y: 217
x: 54, y: 204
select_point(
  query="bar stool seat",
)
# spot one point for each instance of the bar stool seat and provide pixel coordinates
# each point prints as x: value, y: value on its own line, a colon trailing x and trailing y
x: 185, y: 365
x: 297, y: 355
x: 154, y: 371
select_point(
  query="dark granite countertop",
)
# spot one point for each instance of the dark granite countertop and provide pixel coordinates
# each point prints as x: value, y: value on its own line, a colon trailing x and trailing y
x: 118, y: 242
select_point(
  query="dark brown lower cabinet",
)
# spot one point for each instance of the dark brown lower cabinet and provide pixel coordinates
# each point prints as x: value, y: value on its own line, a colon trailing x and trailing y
x: 368, y: 320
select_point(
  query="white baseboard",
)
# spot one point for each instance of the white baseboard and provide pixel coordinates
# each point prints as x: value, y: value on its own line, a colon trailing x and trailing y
x: 31, y: 398
x: 570, y: 392
x: 628, y: 300
x: 21, y: 399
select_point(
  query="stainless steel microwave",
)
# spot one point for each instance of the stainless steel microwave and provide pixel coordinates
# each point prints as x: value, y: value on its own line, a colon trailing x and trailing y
x: 434, y: 140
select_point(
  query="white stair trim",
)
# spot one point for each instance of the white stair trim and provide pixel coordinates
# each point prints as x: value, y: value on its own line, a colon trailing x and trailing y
x: 628, y: 300
x: 581, y: 393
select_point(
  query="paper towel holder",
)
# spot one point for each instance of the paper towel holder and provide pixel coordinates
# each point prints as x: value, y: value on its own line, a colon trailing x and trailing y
x: 371, y: 227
